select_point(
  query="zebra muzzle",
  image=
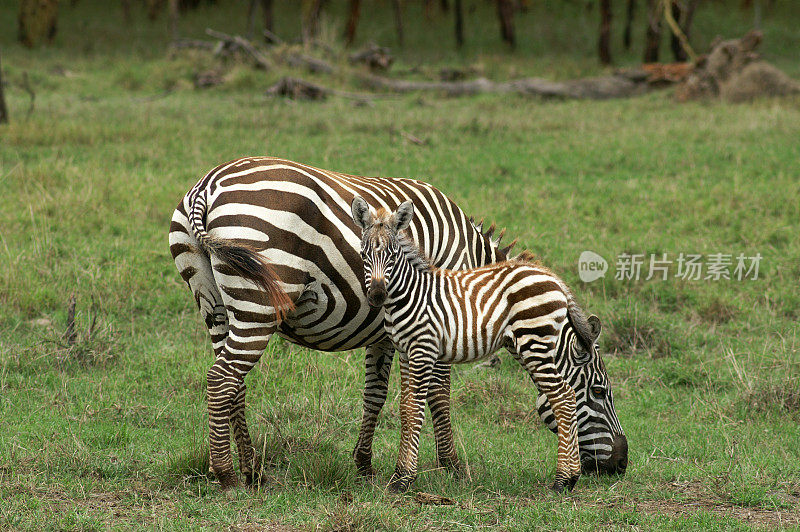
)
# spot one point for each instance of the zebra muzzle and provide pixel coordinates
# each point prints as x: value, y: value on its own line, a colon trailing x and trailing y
x: 377, y: 294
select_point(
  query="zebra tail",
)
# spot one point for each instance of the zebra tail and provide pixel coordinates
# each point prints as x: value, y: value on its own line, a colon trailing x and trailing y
x: 242, y: 258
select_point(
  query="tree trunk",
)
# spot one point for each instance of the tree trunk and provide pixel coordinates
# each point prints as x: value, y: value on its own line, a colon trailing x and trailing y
x: 505, y: 12
x: 312, y: 11
x: 626, y: 38
x: 352, y: 22
x: 445, y: 5
x: 428, y: 8
x: 153, y: 8
x: 3, y: 108
x: 653, y: 33
x: 398, y: 20
x: 127, y: 19
x: 269, y: 15
x: 604, y: 43
x: 266, y: 8
x: 173, y: 19
x: 37, y: 21
x: 251, y: 20
x: 684, y: 18
x: 459, y: 15
x: 675, y: 43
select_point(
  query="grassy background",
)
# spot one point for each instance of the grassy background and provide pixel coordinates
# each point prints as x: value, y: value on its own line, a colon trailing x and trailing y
x: 112, y: 432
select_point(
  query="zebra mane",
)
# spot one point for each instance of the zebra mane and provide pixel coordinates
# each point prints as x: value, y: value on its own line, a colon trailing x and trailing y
x: 413, y: 254
x: 577, y: 318
x: 489, y: 235
x: 528, y: 257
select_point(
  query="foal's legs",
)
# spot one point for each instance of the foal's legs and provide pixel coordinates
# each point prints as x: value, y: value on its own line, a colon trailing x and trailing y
x: 415, y: 373
x: 538, y: 361
x: 376, y: 385
x: 439, y: 403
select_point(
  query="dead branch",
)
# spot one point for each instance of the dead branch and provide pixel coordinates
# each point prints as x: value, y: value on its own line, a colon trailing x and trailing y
x: 70, y: 335
x: 413, y: 139
x: 271, y: 37
x: 312, y: 64
x: 248, y: 47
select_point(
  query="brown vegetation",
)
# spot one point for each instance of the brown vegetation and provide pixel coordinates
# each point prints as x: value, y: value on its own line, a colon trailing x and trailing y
x: 735, y: 72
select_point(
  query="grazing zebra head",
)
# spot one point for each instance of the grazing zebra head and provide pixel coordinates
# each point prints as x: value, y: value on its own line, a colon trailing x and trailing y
x: 603, y: 445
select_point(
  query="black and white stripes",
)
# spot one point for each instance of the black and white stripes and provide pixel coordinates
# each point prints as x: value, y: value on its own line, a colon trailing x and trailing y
x: 436, y: 315
x: 267, y: 246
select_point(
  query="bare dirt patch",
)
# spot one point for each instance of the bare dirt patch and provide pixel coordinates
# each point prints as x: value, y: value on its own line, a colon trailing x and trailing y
x: 758, y: 517
x: 694, y: 496
x: 137, y: 504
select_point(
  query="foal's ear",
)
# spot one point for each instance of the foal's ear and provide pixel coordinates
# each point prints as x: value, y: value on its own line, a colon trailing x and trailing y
x: 361, y: 213
x: 594, y: 326
x: 402, y: 218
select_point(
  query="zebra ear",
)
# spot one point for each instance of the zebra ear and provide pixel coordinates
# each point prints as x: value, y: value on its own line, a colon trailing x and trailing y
x: 402, y: 218
x: 361, y: 213
x: 594, y: 326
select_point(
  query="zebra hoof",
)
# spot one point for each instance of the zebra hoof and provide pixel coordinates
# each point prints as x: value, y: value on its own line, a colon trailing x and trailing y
x: 399, y: 484
x: 227, y: 479
x: 254, y: 480
x: 367, y: 472
x: 453, y: 465
x: 364, y: 465
x: 565, y: 486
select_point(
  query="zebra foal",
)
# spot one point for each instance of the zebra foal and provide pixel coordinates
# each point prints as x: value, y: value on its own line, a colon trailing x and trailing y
x: 436, y: 315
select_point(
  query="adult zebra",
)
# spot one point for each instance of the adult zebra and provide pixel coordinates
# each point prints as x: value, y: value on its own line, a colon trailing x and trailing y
x: 262, y: 226
x: 438, y: 315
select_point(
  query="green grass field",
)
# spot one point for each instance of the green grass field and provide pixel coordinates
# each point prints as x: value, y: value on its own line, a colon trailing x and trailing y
x: 112, y: 432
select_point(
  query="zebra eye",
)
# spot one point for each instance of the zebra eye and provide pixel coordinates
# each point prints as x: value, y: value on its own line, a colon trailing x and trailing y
x: 598, y: 392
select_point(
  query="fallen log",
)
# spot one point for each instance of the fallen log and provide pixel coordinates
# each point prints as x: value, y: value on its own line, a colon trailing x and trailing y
x: 735, y: 72
x: 300, y: 89
x: 312, y: 64
x: 377, y: 58
x: 193, y: 43
x: 598, y: 88
x: 260, y: 60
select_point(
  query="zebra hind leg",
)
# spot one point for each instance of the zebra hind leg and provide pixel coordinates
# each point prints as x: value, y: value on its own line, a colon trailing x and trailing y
x: 439, y: 404
x: 249, y: 458
x: 376, y: 384
x: 223, y: 383
x: 226, y: 406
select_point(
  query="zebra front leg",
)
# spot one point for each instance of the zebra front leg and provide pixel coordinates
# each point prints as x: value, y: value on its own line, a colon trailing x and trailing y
x: 562, y: 400
x: 376, y: 385
x: 249, y: 459
x: 439, y: 403
x: 415, y: 373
